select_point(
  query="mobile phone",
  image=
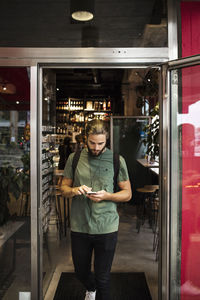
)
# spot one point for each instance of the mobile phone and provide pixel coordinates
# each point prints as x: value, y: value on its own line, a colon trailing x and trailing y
x: 90, y: 193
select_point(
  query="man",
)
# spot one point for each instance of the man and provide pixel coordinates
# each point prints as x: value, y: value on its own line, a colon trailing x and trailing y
x: 94, y: 217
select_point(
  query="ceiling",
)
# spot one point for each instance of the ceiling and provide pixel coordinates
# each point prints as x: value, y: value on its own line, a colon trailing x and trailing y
x: 47, y: 23
x: 116, y: 23
x: 88, y: 82
x: 85, y: 83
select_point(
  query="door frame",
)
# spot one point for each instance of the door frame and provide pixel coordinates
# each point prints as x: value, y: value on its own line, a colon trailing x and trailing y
x: 168, y: 169
x: 37, y: 58
x: 163, y: 269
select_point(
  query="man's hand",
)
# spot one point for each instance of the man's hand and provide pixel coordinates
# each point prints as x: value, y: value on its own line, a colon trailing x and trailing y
x: 69, y: 191
x: 81, y: 190
x: 98, y: 196
x: 123, y: 195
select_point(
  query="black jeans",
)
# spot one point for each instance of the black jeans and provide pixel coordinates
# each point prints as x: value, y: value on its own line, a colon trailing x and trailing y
x: 103, y: 245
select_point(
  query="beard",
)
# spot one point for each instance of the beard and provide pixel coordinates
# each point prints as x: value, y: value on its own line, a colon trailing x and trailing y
x: 95, y: 153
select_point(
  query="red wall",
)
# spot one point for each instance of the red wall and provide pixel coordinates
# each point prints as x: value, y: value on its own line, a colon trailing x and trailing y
x: 190, y: 246
x: 190, y: 25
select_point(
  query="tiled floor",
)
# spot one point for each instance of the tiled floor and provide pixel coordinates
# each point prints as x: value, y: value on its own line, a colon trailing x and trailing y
x: 133, y: 254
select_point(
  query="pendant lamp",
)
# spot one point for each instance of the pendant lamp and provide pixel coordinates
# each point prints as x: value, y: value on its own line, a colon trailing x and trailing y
x: 82, y: 10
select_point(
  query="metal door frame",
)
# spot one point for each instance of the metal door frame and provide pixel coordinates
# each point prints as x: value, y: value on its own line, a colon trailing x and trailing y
x: 168, y: 170
x: 37, y: 59
x: 163, y: 269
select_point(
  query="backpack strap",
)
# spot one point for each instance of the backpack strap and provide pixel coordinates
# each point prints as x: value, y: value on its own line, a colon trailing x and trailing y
x: 116, y: 169
x: 75, y: 161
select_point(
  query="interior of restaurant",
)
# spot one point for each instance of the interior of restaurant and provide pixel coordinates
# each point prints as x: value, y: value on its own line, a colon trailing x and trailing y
x: 127, y: 99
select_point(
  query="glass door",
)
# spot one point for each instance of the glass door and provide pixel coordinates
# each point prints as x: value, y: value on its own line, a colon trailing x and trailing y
x: 128, y: 137
x: 184, y: 179
x: 15, y: 196
x: 48, y: 221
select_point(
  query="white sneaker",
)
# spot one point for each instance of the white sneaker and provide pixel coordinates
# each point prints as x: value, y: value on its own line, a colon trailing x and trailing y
x: 90, y: 295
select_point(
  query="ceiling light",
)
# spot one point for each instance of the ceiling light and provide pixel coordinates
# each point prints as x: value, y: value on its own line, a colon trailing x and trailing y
x: 17, y: 102
x: 6, y: 87
x: 82, y: 10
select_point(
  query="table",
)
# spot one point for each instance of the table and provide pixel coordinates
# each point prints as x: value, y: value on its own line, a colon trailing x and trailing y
x: 148, y: 164
x: 155, y: 170
x: 153, y: 166
x: 8, y: 249
x: 9, y: 229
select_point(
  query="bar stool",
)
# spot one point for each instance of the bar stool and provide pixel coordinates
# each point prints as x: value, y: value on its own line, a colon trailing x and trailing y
x: 63, y: 211
x: 144, y: 207
x: 153, y: 205
x: 63, y: 203
x: 156, y: 228
x: 152, y: 186
x: 58, y: 198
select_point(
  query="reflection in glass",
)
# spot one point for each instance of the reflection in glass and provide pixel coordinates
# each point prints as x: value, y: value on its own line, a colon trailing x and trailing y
x: 15, y: 260
x: 49, y: 220
x: 188, y: 188
x: 129, y: 140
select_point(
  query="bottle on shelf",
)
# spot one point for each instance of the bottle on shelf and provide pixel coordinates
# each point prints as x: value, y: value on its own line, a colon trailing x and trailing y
x: 104, y: 105
x: 100, y: 105
x: 96, y: 105
x: 109, y: 105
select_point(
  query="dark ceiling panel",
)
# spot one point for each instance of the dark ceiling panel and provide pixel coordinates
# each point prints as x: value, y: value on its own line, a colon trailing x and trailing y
x: 47, y: 23
x: 83, y: 83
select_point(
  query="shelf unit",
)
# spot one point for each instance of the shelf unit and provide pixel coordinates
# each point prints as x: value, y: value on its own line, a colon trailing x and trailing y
x: 47, y: 170
x: 72, y: 114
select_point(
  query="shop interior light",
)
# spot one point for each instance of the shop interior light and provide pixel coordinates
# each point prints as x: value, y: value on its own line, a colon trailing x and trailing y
x: 82, y: 10
x: 6, y: 87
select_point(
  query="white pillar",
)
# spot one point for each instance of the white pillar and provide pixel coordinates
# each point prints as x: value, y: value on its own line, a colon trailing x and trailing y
x: 13, y: 126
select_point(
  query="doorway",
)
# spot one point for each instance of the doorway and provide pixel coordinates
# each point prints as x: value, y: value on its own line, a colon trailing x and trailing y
x: 33, y: 58
x: 125, y: 98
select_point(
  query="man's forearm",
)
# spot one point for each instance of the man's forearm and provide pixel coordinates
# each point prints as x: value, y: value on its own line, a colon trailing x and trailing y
x: 68, y: 191
x: 121, y: 196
